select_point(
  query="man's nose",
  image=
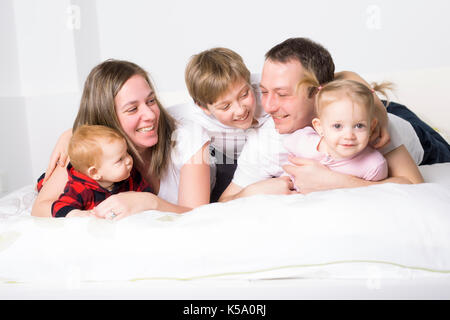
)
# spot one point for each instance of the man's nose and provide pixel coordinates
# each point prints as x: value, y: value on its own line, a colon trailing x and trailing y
x: 269, y: 103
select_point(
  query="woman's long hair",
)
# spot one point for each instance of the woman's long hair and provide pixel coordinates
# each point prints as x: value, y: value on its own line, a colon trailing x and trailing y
x: 97, y: 108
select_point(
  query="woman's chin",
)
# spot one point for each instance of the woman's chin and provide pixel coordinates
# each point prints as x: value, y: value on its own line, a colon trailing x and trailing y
x: 143, y: 144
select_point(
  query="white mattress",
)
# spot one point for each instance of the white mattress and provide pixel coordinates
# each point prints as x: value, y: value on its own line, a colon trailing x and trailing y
x: 385, y: 241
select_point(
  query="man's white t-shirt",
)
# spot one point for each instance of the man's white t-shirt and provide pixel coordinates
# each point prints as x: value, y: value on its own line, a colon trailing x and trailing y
x: 189, y: 139
x: 264, y: 154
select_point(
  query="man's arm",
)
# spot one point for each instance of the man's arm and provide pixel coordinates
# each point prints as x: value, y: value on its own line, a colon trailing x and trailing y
x: 233, y: 191
x: 402, y: 166
x: 281, y: 185
x: 312, y: 176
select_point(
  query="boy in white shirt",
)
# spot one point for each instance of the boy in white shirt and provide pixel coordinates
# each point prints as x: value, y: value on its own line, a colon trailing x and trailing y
x: 225, y: 103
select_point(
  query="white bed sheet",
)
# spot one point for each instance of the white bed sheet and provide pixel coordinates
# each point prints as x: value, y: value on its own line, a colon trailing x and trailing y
x: 383, y: 241
x: 210, y: 289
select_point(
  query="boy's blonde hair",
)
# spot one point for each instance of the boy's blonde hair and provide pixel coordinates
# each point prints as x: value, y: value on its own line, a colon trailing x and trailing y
x: 85, y: 147
x: 212, y: 72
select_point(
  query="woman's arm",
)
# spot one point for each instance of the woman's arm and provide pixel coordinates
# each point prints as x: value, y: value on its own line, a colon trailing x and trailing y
x: 312, y: 176
x: 194, y: 187
x: 127, y: 203
x: 49, y: 193
x: 55, y: 175
x: 59, y: 155
x: 193, y: 191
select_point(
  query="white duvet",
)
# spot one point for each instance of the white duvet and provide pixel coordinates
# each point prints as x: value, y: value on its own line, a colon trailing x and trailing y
x: 384, y: 231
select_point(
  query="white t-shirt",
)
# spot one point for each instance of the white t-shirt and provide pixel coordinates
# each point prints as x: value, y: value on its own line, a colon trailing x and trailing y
x: 189, y: 138
x: 227, y: 140
x: 264, y: 154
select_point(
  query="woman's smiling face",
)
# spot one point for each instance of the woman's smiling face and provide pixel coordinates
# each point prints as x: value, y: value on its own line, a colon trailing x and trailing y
x: 138, y: 112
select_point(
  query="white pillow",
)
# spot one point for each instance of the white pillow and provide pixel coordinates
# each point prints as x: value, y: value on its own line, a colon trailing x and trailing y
x: 384, y: 231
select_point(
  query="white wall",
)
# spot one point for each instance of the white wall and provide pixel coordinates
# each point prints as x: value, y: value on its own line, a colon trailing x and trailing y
x: 49, y: 46
x: 39, y: 81
x: 365, y: 35
x: 15, y: 161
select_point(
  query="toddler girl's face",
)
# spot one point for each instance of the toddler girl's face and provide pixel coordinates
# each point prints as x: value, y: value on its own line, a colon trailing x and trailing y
x: 116, y: 163
x: 345, y: 127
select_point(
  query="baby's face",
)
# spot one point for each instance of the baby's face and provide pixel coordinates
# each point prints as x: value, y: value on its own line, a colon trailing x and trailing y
x: 345, y: 127
x: 116, y: 163
x: 236, y: 107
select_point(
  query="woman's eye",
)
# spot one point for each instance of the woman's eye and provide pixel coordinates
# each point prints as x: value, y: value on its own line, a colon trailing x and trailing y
x: 337, y: 126
x: 360, y: 126
x: 245, y: 94
x: 150, y: 102
x: 132, y: 109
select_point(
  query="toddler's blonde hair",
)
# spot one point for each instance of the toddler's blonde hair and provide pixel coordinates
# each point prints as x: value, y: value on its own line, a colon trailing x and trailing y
x: 336, y: 89
x: 85, y: 147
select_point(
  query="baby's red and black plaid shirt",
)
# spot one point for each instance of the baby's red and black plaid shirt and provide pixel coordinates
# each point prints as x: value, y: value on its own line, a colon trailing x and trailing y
x: 84, y: 193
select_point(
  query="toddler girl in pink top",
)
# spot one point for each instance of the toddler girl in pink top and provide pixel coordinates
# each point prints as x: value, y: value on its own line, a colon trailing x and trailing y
x: 339, y: 140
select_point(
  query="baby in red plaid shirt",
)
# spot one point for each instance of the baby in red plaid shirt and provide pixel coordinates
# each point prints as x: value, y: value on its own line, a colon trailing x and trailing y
x: 99, y: 167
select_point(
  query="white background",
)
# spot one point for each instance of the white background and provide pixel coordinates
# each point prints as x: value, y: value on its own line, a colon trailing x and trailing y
x: 49, y: 46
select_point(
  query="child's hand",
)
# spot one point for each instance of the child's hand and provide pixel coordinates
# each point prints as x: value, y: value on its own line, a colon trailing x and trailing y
x: 79, y: 213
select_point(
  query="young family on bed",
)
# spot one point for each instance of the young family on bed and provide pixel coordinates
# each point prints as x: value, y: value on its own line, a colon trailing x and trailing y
x: 301, y: 127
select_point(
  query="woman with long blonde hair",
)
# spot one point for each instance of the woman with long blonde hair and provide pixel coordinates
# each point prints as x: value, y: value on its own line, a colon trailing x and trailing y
x: 172, y: 157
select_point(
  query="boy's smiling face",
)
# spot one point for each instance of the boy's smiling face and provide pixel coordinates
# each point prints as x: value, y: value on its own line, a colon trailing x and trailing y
x: 236, y: 107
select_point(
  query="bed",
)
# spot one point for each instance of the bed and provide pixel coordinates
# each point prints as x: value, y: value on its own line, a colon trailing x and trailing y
x: 381, y: 242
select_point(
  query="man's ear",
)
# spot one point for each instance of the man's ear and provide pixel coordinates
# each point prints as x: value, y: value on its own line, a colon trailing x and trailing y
x: 317, y: 126
x: 92, y: 172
